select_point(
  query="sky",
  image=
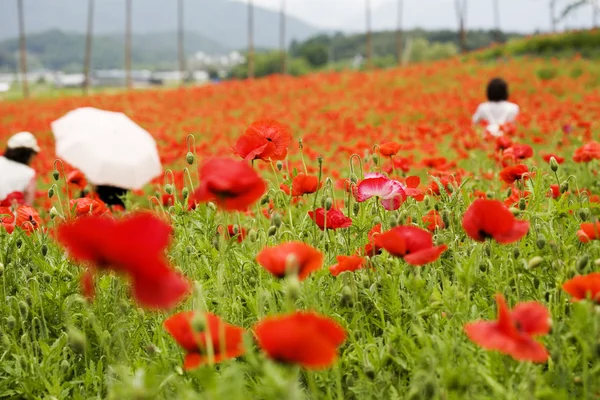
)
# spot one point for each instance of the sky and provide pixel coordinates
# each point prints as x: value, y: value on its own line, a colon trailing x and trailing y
x: 348, y: 15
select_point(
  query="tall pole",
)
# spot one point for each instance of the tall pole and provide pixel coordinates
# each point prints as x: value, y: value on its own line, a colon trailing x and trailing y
x: 552, y: 7
x: 369, y: 44
x: 461, y: 14
x: 128, y: 44
x: 180, y: 42
x: 595, y: 13
x: 399, y: 44
x: 23, y: 50
x: 282, y: 42
x: 88, y: 47
x: 497, y: 21
x: 250, y: 39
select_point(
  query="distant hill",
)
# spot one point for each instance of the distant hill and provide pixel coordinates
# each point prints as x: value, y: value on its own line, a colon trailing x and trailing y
x: 58, y: 50
x: 221, y: 20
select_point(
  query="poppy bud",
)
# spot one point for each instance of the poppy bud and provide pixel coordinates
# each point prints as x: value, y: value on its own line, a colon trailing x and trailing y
x: 55, y: 175
x: 514, y: 211
x: 346, y: 297
x: 276, y: 219
x: 450, y: 188
x: 185, y: 192
x: 516, y: 253
x: 77, y: 340
x: 11, y: 322
x: 252, y: 235
x: 44, y: 250
x: 584, y: 214
x: 328, y: 203
x: 446, y: 218
x: 151, y: 349
x: 534, y: 262
x: 553, y: 164
x: 541, y: 241
x: 19, y: 243
x: 564, y: 187
x: 369, y: 370
x: 211, y: 206
x: 198, y: 323
x: 393, y: 222
x: 300, y: 144
x: 437, y: 206
x: 353, y: 178
x: 168, y: 189
x: 582, y: 262
x: 51, y: 193
x: 320, y: 160
x: 356, y: 208
x: 375, y: 158
x: 489, y: 195
x: 522, y: 204
x: 376, y: 221
x: 509, y: 193
x: 189, y: 157
x: 64, y: 366
x: 1, y: 269
x: 272, y: 231
x: 279, y: 165
x: 53, y: 212
x: 427, y: 201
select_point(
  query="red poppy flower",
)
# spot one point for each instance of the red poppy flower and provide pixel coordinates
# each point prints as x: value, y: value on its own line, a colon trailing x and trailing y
x: 265, y: 140
x: 554, y: 191
x: 514, y: 330
x: 413, y: 244
x: 332, y: 219
x: 503, y: 142
x: 584, y: 287
x: 86, y: 206
x: 14, y: 198
x: 77, y: 180
x: 433, y: 221
x: 167, y: 200
x: 491, y: 219
x: 28, y: 219
x: 588, y: 152
x: 231, y: 184
x: 412, y: 188
x: 133, y: 246
x: 303, y: 338
x: 558, y: 159
x: 235, y: 232
x: 293, y: 256
x: 347, y: 263
x: 589, y: 231
x: 513, y: 173
x: 389, y: 149
x: 304, y: 184
x: 7, y: 219
x: 224, y: 339
x: 371, y: 249
x: 390, y: 192
x: 519, y: 151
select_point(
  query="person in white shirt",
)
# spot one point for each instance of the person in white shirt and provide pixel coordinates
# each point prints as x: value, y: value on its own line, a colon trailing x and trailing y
x: 497, y: 111
x: 17, y: 178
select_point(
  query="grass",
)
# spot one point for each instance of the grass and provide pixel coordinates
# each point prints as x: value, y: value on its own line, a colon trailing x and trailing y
x: 404, y: 324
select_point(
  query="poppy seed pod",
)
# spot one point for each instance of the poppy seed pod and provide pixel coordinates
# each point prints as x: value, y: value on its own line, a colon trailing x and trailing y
x: 51, y: 192
x: 189, y: 157
x: 522, y: 204
x: 185, y: 192
x: 279, y: 165
x: 553, y: 164
x: 564, y: 187
x: 168, y: 189
x: 55, y: 175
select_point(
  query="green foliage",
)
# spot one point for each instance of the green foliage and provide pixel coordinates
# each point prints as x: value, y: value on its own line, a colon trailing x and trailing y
x: 270, y: 63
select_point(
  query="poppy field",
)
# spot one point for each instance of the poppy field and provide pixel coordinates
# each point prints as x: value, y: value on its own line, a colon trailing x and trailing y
x: 336, y: 236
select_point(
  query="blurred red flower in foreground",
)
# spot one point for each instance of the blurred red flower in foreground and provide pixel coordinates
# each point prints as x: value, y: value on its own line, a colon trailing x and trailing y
x: 77, y: 180
x: 491, y: 219
x: 133, y: 246
x: 413, y: 244
x: 513, y: 173
x: 7, y: 219
x: 514, y: 330
x: 304, y: 184
x: 347, y: 263
x: 589, y: 231
x: 588, y: 152
x: 13, y: 198
x: 332, y: 219
x: 584, y: 287
x: 291, y: 257
x: 233, y: 185
x: 303, y: 338
x: 265, y: 140
x: 195, y: 332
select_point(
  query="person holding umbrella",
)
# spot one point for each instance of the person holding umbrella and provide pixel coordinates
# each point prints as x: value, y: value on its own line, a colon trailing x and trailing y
x: 114, y: 153
x: 17, y: 178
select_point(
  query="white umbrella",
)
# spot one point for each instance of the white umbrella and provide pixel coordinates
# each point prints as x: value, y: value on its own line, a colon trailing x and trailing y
x: 108, y: 147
